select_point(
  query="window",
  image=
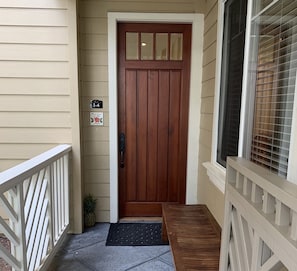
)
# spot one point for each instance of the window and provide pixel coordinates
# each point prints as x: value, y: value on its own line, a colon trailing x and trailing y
x: 258, y: 123
x: 272, y: 69
x: 231, y: 79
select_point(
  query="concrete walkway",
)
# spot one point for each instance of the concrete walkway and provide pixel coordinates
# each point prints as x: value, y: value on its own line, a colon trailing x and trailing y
x: 87, y: 252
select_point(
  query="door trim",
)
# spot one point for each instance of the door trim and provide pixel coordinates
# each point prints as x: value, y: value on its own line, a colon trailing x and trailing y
x: 197, y: 21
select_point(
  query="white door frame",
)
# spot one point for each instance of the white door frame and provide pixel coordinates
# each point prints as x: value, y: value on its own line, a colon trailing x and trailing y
x: 197, y: 21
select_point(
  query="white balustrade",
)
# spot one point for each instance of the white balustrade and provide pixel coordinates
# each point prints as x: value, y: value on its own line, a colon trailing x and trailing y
x: 260, y: 226
x: 34, y: 197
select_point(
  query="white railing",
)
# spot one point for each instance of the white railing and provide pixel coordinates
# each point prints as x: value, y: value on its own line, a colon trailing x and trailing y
x: 260, y: 226
x: 34, y: 197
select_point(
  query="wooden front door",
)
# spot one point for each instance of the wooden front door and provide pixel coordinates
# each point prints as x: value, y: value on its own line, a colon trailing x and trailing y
x: 154, y: 76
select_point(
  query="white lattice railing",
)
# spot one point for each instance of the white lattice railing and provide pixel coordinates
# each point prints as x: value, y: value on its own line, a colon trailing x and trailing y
x: 260, y: 227
x: 35, y: 202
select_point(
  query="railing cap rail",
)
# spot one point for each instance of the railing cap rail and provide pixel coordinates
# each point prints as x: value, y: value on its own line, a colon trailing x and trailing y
x: 277, y: 186
x: 18, y: 173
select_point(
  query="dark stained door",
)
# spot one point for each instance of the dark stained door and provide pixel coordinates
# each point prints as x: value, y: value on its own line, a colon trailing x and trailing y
x: 154, y: 76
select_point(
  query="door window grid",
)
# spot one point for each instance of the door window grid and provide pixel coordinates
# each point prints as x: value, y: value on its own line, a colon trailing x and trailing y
x: 154, y: 46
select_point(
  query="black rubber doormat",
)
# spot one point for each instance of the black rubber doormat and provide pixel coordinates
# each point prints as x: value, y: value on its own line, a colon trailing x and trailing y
x: 135, y: 234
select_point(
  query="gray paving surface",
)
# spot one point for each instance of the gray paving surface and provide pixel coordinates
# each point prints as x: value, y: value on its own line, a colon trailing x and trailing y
x: 87, y: 252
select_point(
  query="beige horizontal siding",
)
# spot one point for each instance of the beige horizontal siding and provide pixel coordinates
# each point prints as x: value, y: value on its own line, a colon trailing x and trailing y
x: 207, y: 192
x: 102, y: 215
x: 34, y: 35
x: 95, y: 9
x: 34, y: 52
x: 93, y: 25
x: 31, y: 103
x: 209, y: 71
x: 210, y: 36
x: 93, y: 41
x: 33, y: 120
x: 211, y: 13
x: 34, y: 69
x: 34, y: 86
x: 14, y: 153
x: 97, y: 176
x: 104, y: 203
x: 96, y: 134
x: 32, y: 135
x: 37, y: 4
x: 39, y: 85
x: 208, y: 88
x: 94, y: 73
x: 35, y: 100
x: 22, y: 151
x: 103, y: 189
x: 95, y: 89
x: 207, y: 106
x: 206, y: 122
x: 210, y: 5
x: 210, y: 54
x: 33, y: 17
x: 205, y: 137
x: 93, y: 57
x: 93, y: 162
x: 93, y: 148
x: 204, y: 155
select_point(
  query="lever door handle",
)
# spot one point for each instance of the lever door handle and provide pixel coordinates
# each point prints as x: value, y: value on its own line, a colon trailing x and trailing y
x: 122, y: 148
x: 122, y: 159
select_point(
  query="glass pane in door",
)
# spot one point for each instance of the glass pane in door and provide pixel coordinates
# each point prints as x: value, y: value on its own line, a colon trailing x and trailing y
x: 132, y: 46
x: 161, y: 46
x: 176, y: 46
x: 147, y: 46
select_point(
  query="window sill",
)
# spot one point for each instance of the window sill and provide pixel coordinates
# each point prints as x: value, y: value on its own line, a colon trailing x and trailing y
x: 216, y: 174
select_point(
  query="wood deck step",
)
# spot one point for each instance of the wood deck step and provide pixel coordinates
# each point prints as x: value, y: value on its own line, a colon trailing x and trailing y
x: 194, y: 236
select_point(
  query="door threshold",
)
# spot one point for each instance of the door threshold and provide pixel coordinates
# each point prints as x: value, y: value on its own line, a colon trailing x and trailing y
x: 140, y: 219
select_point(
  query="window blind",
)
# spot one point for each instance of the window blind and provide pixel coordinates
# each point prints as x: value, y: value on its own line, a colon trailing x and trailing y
x: 275, y: 35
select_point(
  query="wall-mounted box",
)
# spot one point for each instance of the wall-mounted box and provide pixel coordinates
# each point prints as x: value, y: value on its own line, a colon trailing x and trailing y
x: 96, y: 119
x: 96, y: 104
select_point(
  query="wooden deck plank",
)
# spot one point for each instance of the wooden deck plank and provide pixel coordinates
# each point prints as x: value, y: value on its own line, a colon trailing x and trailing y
x: 194, y: 236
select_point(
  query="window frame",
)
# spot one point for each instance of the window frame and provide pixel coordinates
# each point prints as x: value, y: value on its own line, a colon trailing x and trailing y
x: 223, y: 84
x: 215, y: 171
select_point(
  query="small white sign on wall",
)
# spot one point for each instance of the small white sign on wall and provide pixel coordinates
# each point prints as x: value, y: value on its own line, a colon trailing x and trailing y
x: 96, y: 118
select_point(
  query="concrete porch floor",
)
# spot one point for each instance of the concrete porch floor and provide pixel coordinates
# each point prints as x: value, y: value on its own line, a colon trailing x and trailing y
x: 87, y: 252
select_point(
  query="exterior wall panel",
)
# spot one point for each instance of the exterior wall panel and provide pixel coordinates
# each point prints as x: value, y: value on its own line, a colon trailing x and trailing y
x: 36, y: 105
x: 33, y: 34
x: 37, y: 97
x: 94, y: 83
x: 48, y: 4
x: 39, y: 85
x: 34, y: 76
x: 207, y: 192
x: 33, y: 17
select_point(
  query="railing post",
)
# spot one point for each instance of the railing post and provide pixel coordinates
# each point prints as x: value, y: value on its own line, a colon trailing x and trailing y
x: 50, y: 206
x: 66, y: 184
x: 20, y: 228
